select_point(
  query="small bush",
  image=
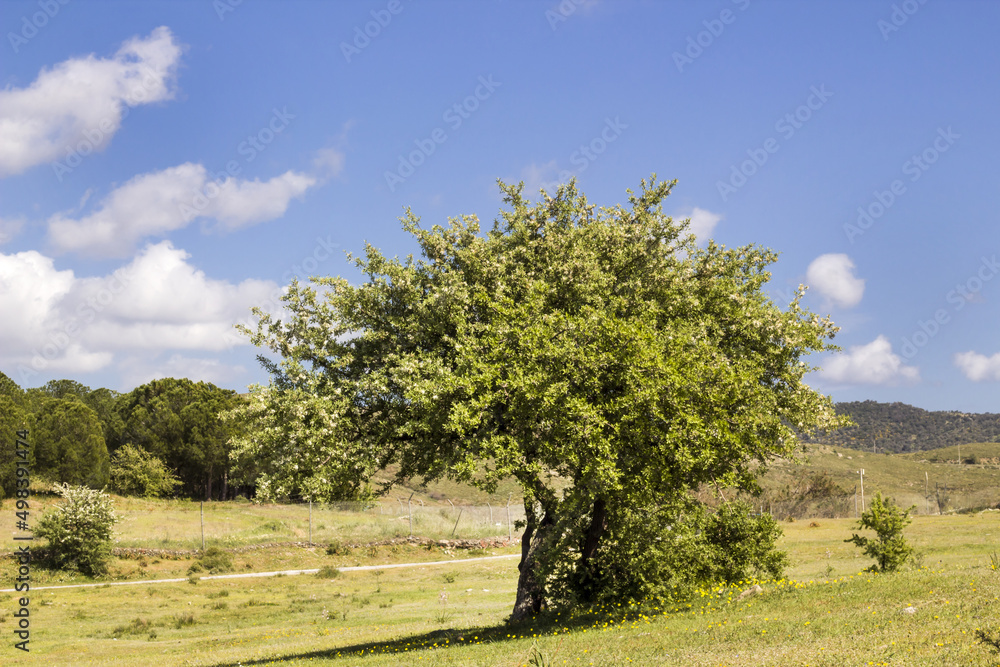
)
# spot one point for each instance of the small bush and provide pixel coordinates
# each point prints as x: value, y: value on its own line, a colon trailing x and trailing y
x: 79, y: 530
x: 138, y: 626
x: 335, y: 548
x: 215, y: 560
x: 328, y: 572
x: 181, y: 621
x: 136, y: 472
x: 889, y: 548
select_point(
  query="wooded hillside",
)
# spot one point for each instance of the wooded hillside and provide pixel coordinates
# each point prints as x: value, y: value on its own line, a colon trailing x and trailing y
x: 898, y: 427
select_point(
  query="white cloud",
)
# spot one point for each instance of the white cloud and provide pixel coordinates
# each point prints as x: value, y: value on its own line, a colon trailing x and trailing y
x: 874, y: 363
x: 78, y: 105
x: 329, y: 161
x: 833, y: 275
x: 978, y: 367
x: 137, y: 371
x: 540, y: 177
x: 155, y: 203
x: 30, y: 290
x: 703, y: 223
x: 9, y: 228
x: 156, y: 304
x: 160, y: 301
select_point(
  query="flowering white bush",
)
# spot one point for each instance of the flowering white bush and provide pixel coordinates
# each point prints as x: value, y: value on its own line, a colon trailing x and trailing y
x: 79, y: 530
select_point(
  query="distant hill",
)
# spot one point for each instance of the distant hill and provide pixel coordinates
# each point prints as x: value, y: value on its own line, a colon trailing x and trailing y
x: 898, y: 427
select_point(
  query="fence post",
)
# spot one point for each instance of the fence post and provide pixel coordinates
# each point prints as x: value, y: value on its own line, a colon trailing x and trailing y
x: 409, y: 511
x: 456, y: 521
x: 310, y: 522
x: 203, y: 526
x: 510, y: 533
x: 491, y: 514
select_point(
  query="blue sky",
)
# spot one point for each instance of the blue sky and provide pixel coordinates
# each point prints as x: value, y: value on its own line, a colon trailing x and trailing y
x: 166, y: 165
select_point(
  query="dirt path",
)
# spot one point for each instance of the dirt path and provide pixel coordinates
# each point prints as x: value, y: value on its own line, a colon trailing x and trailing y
x: 267, y: 574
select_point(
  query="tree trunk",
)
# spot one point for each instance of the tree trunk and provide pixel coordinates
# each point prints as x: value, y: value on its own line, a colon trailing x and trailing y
x: 585, y: 570
x: 208, y: 486
x: 225, y: 484
x: 530, y: 587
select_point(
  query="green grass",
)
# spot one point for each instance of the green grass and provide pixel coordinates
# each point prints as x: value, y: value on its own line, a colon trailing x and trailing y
x: 828, y: 612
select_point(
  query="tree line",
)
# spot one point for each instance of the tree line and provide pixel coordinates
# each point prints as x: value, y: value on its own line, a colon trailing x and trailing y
x: 162, y: 438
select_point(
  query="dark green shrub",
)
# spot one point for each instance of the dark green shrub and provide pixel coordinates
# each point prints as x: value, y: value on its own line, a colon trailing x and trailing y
x: 214, y: 560
x: 335, y: 548
x: 744, y: 545
x: 889, y: 548
x: 655, y: 553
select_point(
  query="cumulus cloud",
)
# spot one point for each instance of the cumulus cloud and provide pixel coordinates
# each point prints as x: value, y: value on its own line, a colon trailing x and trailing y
x: 874, y: 363
x: 155, y: 203
x: 78, y: 105
x: 833, y: 276
x: 978, y: 367
x: 156, y: 304
x: 703, y: 223
x: 136, y: 371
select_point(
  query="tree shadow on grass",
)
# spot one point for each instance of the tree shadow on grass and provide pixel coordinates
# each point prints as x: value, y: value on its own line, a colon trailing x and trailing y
x: 546, y: 625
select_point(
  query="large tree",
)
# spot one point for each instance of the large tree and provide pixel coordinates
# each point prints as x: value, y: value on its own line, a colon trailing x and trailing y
x: 598, y: 356
x: 67, y: 443
x: 13, y: 418
x: 177, y: 421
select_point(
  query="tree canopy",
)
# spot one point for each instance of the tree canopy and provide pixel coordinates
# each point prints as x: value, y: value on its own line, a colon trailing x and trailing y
x: 177, y: 421
x: 599, y: 356
x: 67, y: 443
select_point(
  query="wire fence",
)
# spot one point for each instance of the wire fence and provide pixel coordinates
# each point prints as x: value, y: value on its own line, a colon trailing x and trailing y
x: 940, y: 500
x: 193, y: 525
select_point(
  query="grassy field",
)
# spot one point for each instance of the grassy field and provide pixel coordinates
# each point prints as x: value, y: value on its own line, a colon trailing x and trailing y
x: 904, y: 477
x: 176, y: 524
x: 827, y: 612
